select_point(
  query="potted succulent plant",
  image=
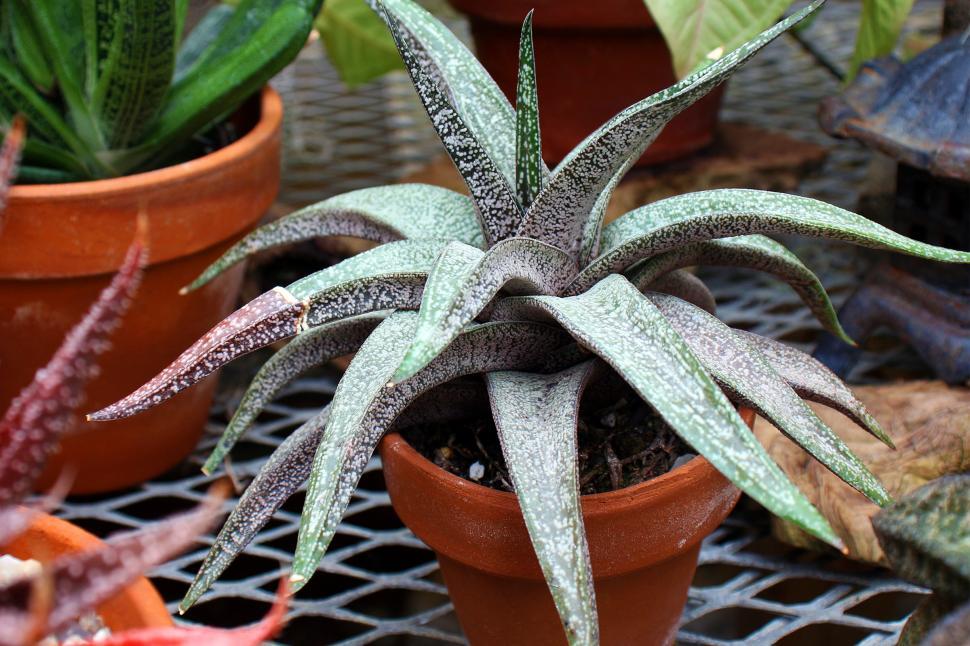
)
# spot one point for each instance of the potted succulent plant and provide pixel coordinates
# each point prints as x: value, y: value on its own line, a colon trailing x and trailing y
x: 120, y: 110
x: 522, y: 283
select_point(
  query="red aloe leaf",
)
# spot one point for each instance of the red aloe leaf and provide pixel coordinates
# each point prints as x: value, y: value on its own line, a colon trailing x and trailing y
x: 10, y: 158
x: 274, y: 316
x: 32, y: 425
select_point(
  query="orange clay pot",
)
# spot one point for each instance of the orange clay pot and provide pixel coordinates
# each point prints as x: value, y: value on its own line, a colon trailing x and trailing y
x: 593, y: 59
x: 137, y: 606
x: 60, y: 246
x: 643, y: 543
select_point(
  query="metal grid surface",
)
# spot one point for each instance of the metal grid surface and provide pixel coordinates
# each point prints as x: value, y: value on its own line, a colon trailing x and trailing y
x: 378, y: 584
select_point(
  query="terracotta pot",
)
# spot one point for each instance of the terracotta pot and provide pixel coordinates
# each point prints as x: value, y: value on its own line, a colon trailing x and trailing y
x: 593, y: 59
x: 137, y: 606
x: 60, y: 246
x: 643, y: 543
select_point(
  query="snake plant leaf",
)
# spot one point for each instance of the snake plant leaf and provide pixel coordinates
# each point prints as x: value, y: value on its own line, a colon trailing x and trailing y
x: 26, y: 48
x: 35, y: 419
x: 812, y: 380
x: 366, y: 404
x: 528, y: 141
x: 926, y: 536
x: 560, y: 212
x: 134, y: 76
x: 463, y: 281
x: 751, y: 252
x: 202, y: 36
x: 686, y: 286
x: 722, y: 213
x: 274, y: 316
x: 308, y: 350
x: 749, y: 379
x: 536, y: 417
x: 86, y: 579
x: 470, y: 89
x: 499, y: 210
x: 380, y: 214
x: 626, y: 330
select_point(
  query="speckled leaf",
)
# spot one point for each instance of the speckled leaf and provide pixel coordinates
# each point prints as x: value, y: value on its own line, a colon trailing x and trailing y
x: 686, y: 286
x: 560, y: 212
x: 366, y: 403
x: 721, y: 213
x: 812, y: 380
x: 35, y: 419
x: 624, y: 328
x: 274, y: 316
x: 380, y: 213
x: 536, y: 417
x: 748, y: 379
x: 926, y: 536
x: 465, y: 279
x: 752, y: 252
x: 500, y: 211
x: 592, y: 229
x: 528, y: 141
x: 308, y: 350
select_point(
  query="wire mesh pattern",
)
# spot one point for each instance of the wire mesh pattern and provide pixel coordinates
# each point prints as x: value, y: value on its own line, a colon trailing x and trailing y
x: 378, y: 584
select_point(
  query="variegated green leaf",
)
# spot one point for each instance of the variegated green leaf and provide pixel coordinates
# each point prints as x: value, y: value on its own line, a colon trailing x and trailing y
x: 26, y: 47
x: 205, y: 32
x: 560, y: 212
x: 366, y: 403
x: 380, y: 213
x: 752, y: 252
x: 528, y: 141
x: 536, y: 417
x: 308, y: 350
x: 624, y: 328
x: 491, y: 190
x: 686, y: 286
x: 465, y: 279
x: 592, y: 228
x: 747, y: 377
x: 813, y: 381
x: 723, y: 213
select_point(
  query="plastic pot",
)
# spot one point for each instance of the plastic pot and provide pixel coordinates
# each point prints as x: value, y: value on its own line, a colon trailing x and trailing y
x: 643, y: 542
x: 60, y: 246
x: 137, y: 606
x: 593, y: 59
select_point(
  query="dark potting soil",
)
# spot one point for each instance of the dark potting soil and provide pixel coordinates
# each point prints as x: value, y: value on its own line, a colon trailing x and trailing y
x: 619, y: 445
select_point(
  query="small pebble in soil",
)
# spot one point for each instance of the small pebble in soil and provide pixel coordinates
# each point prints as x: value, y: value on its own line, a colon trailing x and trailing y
x: 476, y: 471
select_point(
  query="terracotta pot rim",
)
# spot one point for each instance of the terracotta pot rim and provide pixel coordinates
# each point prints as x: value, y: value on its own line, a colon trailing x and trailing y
x: 270, y: 118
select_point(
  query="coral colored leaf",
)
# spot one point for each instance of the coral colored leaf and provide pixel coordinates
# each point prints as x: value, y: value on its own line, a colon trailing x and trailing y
x: 748, y: 379
x: 536, y: 417
x: 380, y: 214
x: 498, y: 208
x: 722, y: 213
x: 274, y: 316
x: 751, y: 252
x: 562, y: 212
x: 462, y: 282
x: 625, y: 329
x: 310, y: 349
x: 528, y: 141
x: 812, y: 380
x: 33, y: 423
x: 366, y: 403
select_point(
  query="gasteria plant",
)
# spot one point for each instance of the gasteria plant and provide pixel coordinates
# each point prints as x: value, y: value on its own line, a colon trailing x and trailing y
x: 522, y: 282
x: 111, y: 88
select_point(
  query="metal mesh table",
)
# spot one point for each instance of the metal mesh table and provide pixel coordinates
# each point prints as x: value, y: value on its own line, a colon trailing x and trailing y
x: 378, y: 584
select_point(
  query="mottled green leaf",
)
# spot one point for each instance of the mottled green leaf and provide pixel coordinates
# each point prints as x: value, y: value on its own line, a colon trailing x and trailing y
x: 380, y: 214
x: 749, y: 379
x: 463, y: 281
x: 357, y: 42
x: 751, y: 252
x: 536, y: 417
x: 625, y: 329
x: 528, y: 141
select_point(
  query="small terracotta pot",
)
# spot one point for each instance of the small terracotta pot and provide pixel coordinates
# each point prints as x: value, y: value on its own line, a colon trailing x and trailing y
x: 643, y: 542
x: 593, y: 59
x: 137, y: 606
x: 61, y: 245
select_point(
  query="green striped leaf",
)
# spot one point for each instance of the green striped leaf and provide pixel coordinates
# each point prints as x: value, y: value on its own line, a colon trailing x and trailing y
x: 528, y: 141
x: 381, y: 214
x: 625, y: 329
x: 536, y: 417
x: 26, y: 47
x: 202, y: 36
